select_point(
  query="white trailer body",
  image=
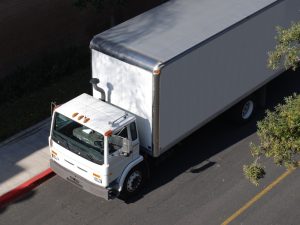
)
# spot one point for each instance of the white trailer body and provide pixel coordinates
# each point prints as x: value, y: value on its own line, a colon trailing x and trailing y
x: 162, y: 75
x: 210, y: 54
x: 128, y: 87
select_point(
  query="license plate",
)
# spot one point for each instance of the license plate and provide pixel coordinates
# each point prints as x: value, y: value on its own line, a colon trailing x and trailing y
x: 75, y: 181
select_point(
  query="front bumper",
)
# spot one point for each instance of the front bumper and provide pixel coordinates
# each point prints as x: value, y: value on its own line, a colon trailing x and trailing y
x: 81, y: 182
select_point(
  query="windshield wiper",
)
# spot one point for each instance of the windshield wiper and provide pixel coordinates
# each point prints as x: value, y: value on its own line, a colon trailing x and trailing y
x: 64, y: 140
x: 92, y: 158
x: 81, y: 152
x: 76, y: 149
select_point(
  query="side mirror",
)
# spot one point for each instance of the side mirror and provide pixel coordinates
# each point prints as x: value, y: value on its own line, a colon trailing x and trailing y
x: 122, y: 144
x: 53, y: 107
x: 127, y: 147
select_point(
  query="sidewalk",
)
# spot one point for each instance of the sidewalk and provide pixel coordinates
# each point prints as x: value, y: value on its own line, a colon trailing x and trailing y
x: 24, y: 156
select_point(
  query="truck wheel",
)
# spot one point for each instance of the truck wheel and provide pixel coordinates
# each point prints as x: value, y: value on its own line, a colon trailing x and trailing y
x: 133, y: 182
x: 244, y: 111
x: 247, y: 109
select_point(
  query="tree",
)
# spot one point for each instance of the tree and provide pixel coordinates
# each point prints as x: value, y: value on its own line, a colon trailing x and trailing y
x: 279, y: 131
x: 287, y: 50
x: 111, y: 5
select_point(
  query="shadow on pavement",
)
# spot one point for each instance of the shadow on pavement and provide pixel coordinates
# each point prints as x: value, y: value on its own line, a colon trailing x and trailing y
x: 193, y: 154
x: 202, y: 168
x: 18, y: 200
x: 16, y: 150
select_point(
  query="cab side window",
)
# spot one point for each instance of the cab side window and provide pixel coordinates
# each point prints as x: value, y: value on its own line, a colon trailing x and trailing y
x: 116, y: 141
x: 133, y: 131
x: 123, y: 133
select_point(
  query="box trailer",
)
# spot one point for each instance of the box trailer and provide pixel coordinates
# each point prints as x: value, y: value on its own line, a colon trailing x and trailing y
x: 163, y: 75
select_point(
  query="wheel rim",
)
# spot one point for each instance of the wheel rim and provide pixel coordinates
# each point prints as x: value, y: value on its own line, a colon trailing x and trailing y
x: 247, y: 109
x: 134, y: 181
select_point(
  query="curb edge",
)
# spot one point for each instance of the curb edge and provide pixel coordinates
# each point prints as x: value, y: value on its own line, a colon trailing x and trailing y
x: 25, y: 187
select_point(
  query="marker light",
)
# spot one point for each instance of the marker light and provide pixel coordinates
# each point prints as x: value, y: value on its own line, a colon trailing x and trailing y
x: 97, y: 177
x: 80, y: 117
x: 108, y: 133
x: 53, y: 152
x: 54, y: 155
x: 75, y: 114
x: 156, y: 72
x: 86, y: 119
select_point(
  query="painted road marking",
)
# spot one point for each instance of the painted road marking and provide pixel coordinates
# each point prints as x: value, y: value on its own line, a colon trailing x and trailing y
x: 257, y: 197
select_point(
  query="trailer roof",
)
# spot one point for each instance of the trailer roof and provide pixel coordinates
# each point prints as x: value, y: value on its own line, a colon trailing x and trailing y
x: 159, y: 35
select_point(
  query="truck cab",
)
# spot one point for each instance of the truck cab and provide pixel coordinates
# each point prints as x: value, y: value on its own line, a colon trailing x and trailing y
x: 95, y: 146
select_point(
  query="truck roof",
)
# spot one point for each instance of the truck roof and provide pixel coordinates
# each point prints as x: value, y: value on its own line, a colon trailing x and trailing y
x: 165, y: 32
x: 99, y: 113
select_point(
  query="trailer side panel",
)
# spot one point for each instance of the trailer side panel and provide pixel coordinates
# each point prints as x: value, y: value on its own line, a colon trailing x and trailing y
x: 201, y: 84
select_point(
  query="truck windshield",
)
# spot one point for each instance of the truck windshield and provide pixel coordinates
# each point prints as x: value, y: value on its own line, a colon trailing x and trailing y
x: 79, y: 139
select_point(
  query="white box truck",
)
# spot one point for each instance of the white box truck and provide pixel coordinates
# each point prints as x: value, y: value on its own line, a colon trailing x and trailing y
x: 163, y: 75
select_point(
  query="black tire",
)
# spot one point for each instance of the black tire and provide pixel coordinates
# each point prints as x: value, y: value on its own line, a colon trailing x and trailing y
x: 244, y: 111
x: 134, y: 182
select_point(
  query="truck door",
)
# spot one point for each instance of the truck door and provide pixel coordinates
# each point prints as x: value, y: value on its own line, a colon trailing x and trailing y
x: 134, y: 139
x: 118, y: 161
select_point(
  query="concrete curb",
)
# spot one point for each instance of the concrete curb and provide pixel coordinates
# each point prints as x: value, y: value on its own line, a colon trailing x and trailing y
x: 25, y: 187
x: 26, y: 132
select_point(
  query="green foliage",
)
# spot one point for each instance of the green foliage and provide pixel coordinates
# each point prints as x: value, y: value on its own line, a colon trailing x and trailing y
x: 98, y: 4
x: 253, y: 172
x: 26, y: 94
x: 279, y: 138
x: 287, y: 50
x: 42, y: 72
x: 33, y: 107
x: 279, y: 131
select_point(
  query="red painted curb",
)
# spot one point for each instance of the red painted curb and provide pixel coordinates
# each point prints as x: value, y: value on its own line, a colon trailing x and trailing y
x: 25, y: 187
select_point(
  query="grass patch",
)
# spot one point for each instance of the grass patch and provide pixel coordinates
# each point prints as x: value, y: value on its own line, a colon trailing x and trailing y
x: 33, y: 107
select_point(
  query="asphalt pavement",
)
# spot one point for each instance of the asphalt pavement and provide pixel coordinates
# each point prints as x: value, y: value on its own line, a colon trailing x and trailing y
x: 201, y: 182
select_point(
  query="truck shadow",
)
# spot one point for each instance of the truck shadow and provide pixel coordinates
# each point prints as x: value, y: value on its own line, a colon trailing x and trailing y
x: 202, y: 168
x: 193, y: 154
x: 22, y: 198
